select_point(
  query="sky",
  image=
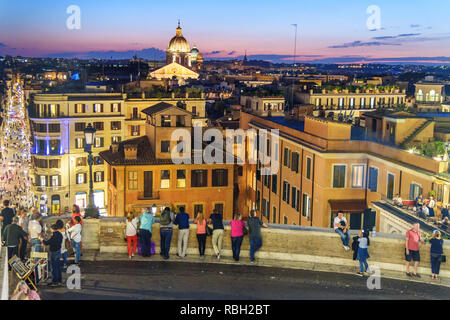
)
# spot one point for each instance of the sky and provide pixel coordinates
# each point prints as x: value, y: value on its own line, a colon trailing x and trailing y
x: 328, y: 30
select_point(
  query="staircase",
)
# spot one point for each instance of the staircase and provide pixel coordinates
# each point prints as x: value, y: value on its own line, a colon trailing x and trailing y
x: 415, y: 133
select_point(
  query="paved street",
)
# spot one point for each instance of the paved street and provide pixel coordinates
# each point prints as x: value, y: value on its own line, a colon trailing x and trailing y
x: 203, y: 281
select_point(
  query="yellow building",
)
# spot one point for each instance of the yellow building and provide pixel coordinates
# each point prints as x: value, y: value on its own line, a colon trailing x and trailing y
x: 264, y: 105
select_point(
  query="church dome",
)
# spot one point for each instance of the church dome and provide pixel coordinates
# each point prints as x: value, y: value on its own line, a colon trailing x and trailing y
x: 179, y: 43
x: 194, y: 53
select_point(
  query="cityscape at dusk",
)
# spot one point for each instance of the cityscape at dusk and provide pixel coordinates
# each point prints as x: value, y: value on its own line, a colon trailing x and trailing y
x: 219, y: 159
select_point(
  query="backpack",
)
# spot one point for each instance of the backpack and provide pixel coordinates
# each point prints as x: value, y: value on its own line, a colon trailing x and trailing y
x: 165, y: 218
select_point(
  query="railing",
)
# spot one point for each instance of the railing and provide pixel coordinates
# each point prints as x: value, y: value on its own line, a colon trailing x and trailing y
x: 153, y: 196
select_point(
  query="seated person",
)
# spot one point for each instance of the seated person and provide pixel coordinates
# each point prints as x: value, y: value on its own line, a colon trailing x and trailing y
x: 398, y: 201
x: 423, y: 212
x: 341, y: 228
x: 419, y: 201
x: 444, y: 213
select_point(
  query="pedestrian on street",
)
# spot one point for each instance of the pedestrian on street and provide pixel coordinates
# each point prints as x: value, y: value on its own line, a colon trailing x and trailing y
x: 201, y: 233
x: 131, y: 234
x: 7, y: 215
x: 436, y: 252
x: 34, y: 231
x: 413, y: 238
x: 182, y: 221
x: 165, y: 230
x: 363, y: 254
x: 237, y: 235
x: 146, y: 221
x: 75, y: 235
x: 12, y: 234
x: 55, y: 255
x: 217, y: 237
x: 254, y: 225
x: 62, y: 229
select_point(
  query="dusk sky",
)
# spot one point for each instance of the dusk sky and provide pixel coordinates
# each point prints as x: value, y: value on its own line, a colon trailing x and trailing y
x: 327, y: 28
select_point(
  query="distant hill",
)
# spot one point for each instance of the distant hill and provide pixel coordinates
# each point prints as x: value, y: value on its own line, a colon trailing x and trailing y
x: 149, y: 54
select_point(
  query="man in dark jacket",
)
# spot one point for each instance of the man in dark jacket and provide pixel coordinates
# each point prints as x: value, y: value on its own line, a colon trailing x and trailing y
x: 12, y: 235
x: 7, y: 214
x: 55, y: 255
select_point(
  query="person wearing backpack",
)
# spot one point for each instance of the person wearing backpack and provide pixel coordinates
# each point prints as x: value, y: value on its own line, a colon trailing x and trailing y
x: 165, y: 230
x: 146, y: 221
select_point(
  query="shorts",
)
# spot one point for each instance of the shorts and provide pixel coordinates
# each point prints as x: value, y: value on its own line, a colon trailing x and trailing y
x: 414, y: 255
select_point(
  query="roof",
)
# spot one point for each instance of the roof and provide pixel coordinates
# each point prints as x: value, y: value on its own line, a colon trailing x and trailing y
x: 348, y: 206
x: 293, y: 124
x: 145, y: 155
x: 157, y: 108
x: 385, y: 113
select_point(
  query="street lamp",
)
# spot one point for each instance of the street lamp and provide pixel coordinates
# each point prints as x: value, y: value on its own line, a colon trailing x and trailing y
x: 154, y: 209
x: 89, y: 133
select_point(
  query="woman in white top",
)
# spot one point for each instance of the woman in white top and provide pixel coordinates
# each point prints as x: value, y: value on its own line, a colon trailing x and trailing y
x: 431, y: 205
x: 131, y: 233
x: 75, y: 235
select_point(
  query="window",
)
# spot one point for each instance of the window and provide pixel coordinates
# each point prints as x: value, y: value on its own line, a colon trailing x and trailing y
x: 79, y: 143
x: 98, y: 160
x: 220, y: 178
x: 43, y: 181
x: 414, y: 191
x: 308, y: 168
x: 295, y: 158
x: 274, y: 215
x: 373, y: 179
x: 219, y: 208
x: 181, y: 122
x: 339, y: 176
x: 285, y: 220
x: 181, y: 178
x: 80, y: 126
x: 114, y: 177
x: 135, y: 131
x: 99, y: 142
x: 115, y: 125
x: 41, y: 127
x: 199, y: 178
x: 286, y: 189
x: 55, y: 181
x: 165, y: 146
x: 294, y: 202
x: 80, y: 108
x: 81, y: 178
x: 115, y: 107
x: 390, y: 186
x: 358, y: 176
x: 132, y: 180
x: 265, y: 208
x: 198, y: 208
x: 54, y: 147
x: 267, y: 181
x: 258, y: 200
x: 81, y: 162
x: 99, y: 126
x: 116, y: 139
x: 54, y: 128
x: 306, y: 212
x: 41, y: 163
x: 165, y: 179
x: 165, y: 121
x: 98, y: 107
x: 287, y: 157
x: 99, y: 176
x: 54, y: 163
x: 274, y: 183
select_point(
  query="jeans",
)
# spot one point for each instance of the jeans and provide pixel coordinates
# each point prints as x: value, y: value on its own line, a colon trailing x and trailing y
x: 132, y: 244
x: 166, y: 238
x: 76, y: 246
x: 23, y: 248
x: 64, y: 257
x: 363, y: 264
x: 146, y: 241
x: 345, y: 237
x: 35, y: 245
x: 55, y: 258
x: 236, y: 243
x: 183, y: 237
x: 255, y: 245
x: 217, y: 238
x: 201, y: 238
x: 435, y: 260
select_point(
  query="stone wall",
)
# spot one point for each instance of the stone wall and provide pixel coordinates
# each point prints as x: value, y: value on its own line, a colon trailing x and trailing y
x: 279, y: 243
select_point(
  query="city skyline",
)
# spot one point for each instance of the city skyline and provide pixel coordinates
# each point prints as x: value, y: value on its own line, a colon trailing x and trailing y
x: 333, y: 33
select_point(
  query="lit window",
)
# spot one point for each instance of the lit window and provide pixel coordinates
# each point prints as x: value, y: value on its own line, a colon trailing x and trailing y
x: 165, y: 179
x: 357, y: 176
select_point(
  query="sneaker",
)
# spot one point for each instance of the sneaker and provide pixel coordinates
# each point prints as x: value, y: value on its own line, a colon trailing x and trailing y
x: 417, y: 275
x: 129, y: 257
x: 132, y: 254
x: 347, y: 248
x: 252, y: 261
x: 202, y: 257
x: 218, y: 256
x: 409, y: 274
x: 360, y: 274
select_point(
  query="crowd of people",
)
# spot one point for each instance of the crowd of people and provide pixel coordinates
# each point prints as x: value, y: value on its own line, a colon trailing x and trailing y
x: 413, y: 242
x: 138, y: 232
x: 24, y: 232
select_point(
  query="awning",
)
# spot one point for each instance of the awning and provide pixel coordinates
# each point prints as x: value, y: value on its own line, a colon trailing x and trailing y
x: 347, y: 206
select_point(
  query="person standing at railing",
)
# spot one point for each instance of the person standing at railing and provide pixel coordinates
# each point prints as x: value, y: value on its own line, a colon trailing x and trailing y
x: 413, y: 239
x: 146, y: 221
x: 254, y: 233
x: 436, y: 252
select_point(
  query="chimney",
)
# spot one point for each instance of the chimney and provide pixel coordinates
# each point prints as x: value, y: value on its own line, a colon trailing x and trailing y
x: 114, y: 147
x: 130, y: 152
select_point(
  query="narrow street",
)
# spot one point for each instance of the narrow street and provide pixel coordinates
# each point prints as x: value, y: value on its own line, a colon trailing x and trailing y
x: 15, y: 169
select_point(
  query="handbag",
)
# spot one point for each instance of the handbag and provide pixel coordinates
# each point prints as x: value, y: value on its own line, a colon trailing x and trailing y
x: 443, y: 258
x: 209, y: 230
x: 244, y: 230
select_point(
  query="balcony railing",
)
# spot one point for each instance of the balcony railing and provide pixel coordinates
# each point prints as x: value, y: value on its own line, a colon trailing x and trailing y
x: 153, y: 196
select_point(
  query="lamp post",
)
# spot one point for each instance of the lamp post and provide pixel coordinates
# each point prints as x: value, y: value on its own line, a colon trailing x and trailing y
x: 154, y: 209
x: 89, y: 133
